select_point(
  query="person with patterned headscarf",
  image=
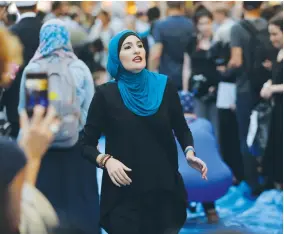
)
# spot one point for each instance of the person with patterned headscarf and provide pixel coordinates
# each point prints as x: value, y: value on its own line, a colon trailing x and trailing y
x: 67, y: 180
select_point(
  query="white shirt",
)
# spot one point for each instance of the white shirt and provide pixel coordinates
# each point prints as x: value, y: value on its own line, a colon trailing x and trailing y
x: 223, y: 33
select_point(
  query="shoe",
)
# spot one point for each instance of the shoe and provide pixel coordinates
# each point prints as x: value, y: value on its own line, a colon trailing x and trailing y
x: 212, y: 216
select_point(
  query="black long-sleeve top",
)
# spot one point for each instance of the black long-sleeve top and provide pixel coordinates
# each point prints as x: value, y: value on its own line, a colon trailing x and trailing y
x: 144, y: 144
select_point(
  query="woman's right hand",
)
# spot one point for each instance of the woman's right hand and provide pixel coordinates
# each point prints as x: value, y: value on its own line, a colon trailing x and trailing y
x: 116, y: 171
x: 38, y: 132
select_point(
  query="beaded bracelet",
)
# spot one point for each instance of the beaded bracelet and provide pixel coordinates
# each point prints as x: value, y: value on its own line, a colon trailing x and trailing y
x: 101, y: 162
x: 107, y: 158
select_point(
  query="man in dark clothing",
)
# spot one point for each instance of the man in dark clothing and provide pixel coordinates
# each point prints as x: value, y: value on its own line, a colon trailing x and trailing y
x: 27, y: 30
x: 246, y: 99
x: 87, y: 53
x: 173, y: 37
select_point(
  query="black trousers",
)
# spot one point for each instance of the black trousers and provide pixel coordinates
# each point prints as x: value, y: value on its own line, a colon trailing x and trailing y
x: 152, y: 213
x: 244, y: 105
x: 230, y: 143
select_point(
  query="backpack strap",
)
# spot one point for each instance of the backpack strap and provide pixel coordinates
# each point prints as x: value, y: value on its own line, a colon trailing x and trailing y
x: 249, y: 27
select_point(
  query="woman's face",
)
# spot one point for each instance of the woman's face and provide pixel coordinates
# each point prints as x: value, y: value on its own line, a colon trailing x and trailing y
x: 204, y: 26
x: 132, y: 54
x: 276, y: 36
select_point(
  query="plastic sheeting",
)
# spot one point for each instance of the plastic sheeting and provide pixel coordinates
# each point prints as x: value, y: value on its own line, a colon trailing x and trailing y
x: 238, y: 212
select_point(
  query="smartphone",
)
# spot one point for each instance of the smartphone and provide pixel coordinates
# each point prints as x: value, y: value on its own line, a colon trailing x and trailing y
x: 36, y: 88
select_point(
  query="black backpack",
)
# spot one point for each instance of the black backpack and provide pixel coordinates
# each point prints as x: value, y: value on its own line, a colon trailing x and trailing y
x: 261, y: 49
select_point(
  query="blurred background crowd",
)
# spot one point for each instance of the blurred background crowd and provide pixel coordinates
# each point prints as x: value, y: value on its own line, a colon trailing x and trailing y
x: 227, y: 54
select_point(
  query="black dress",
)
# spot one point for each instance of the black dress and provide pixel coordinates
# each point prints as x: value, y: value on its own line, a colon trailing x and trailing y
x: 144, y: 144
x: 273, y: 159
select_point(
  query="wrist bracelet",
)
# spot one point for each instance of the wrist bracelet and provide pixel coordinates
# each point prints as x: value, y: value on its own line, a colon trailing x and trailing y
x: 101, y: 162
x: 107, y: 158
x: 190, y: 148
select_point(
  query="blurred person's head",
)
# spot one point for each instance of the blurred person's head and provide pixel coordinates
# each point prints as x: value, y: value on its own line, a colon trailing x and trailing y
x: 130, y: 22
x: 252, y: 6
x: 54, y: 39
x: 104, y: 17
x: 275, y: 29
x: 175, y: 7
x: 60, y: 8
x: 141, y: 15
x: 96, y: 46
x: 40, y: 15
x: 11, y: 19
x: 220, y: 13
x: 75, y: 17
x: 204, y: 21
x: 10, y: 56
x: 269, y: 12
x: 153, y: 14
x: 179, y: 5
x: 12, y: 176
x: 26, y: 6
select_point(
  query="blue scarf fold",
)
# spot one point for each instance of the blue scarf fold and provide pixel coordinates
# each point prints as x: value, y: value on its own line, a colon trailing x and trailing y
x: 142, y: 93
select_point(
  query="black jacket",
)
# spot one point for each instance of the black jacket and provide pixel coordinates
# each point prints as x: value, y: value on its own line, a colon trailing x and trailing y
x: 27, y: 30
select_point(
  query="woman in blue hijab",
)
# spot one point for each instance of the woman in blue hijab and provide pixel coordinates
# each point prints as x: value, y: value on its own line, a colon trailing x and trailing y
x: 142, y: 190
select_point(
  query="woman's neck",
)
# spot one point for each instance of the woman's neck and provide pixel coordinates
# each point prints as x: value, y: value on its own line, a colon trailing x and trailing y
x: 252, y: 14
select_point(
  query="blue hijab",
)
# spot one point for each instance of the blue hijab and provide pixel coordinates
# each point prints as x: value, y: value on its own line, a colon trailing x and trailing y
x: 142, y: 92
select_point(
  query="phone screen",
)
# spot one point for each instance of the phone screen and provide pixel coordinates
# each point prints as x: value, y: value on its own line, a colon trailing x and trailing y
x: 36, y: 88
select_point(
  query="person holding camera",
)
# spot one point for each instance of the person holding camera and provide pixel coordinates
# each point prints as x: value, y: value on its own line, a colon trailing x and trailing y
x: 23, y: 209
x: 204, y: 78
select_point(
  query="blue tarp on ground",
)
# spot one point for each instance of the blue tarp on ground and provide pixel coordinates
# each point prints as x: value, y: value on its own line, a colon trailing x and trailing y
x: 238, y: 212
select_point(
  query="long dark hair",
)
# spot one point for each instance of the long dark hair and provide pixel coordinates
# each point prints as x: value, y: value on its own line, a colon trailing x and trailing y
x: 277, y: 20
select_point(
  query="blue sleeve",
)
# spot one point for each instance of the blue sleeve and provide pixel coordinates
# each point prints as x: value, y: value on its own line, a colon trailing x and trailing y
x: 236, y: 36
x: 157, y: 33
x: 85, y: 87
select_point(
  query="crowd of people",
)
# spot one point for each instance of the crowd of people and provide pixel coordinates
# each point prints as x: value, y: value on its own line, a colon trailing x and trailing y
x: 128, y: 77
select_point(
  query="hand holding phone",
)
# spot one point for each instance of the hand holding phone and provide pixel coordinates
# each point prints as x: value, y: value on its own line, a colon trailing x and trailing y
x: 36, y: 88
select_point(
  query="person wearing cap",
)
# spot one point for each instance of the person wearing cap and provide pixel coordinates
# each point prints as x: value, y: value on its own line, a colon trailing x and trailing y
x: 27, y: 30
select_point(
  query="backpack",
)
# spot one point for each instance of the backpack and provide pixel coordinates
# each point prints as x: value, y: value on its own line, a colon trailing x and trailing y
x: 261, y: 49
x: 62, y: 95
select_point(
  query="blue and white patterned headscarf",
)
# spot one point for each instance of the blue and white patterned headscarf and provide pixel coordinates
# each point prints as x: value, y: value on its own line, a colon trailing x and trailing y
x: 54, y: 40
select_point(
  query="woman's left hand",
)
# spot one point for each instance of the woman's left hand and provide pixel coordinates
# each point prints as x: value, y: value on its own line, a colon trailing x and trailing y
x: 197, y: 164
